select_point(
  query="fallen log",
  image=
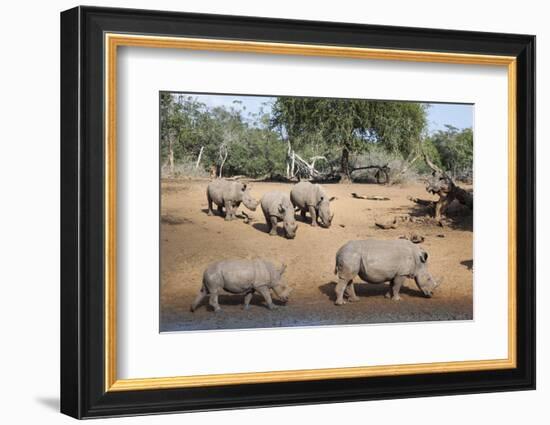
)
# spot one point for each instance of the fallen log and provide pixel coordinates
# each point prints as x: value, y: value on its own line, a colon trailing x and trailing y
x: 370, y: 197
x: 413, y: 237
x: 442, y: 184
x: 386, y: 224
x: 423, y: 202
x: 381, y: 169
x: 233, y: 178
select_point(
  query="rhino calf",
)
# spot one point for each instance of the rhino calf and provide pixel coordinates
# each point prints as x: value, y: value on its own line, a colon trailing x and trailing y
x: 312, y: 198
x: 244, y: 277
x: 229, y: 195
x: 379, y: 261
x: 276, y: 207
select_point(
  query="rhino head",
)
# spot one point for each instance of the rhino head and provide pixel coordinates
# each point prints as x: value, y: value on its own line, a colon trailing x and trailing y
x: 280, y: 287
x: 424, y: 280
x: 323, y: 211
x: 248, y: 201
x: 289, y: 222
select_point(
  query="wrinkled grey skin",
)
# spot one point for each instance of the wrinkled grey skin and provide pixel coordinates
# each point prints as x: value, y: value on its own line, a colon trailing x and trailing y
x: 312, y: 198
x: 242, y: 277
x: 378, y: 261
x: 277, y: 207
x: 229, y: 195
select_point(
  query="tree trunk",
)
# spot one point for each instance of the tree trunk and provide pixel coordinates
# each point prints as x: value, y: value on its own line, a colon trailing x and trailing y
x: 289, y: 154
x: 171, y: 158
x: 344, y: 166
x: 223, y: 152
x: 221, y: 165
x: 199, y: 158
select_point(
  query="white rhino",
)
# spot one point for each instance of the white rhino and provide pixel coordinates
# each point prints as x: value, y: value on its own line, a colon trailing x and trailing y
x: 276, y: 207
x: 229, y: 195
x: 312, y: 198
x: 379, y: 261
x: 242, y: 277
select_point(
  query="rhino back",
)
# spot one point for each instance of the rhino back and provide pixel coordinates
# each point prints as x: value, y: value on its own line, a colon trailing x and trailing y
x: 393, y: 257
x: 221, y: 190
x: 303, y: 195
x: 237, y: 276
x: 381, y: 260
x: 272, y: 200
x: 216, y: 190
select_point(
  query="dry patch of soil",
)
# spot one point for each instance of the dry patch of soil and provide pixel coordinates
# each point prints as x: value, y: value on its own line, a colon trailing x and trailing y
x: 190, y: 240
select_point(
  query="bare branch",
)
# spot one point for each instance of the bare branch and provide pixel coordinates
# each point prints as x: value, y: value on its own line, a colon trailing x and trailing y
x: 432, y: 165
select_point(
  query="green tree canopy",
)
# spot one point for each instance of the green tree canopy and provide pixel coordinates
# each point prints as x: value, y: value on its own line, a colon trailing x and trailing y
x: 455, y: 149
x: 350, y: 124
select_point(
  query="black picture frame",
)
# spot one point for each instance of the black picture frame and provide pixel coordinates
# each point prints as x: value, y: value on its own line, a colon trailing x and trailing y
x: 83, y: 392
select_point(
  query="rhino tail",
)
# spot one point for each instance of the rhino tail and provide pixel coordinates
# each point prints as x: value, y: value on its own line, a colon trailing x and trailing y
x: 204, y: 288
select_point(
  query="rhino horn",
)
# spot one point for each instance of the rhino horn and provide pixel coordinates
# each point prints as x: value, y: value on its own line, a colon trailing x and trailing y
x: 438, y: 281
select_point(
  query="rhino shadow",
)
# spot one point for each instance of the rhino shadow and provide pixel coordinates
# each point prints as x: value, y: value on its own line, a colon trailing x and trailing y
x: 217, y: 213
x: 363, y: 289
x: 298, y: 217
x: 227, y: 300
x: 458, y: 217
x: 262, y: 227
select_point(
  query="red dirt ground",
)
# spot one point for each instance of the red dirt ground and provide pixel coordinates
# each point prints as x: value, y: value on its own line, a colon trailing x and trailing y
x: 190, y: 240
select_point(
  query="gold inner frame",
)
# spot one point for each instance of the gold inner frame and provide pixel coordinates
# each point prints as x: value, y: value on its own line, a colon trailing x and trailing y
x: 113, y: 41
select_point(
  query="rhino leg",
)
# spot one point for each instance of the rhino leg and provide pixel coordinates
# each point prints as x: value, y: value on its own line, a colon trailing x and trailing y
x: 313, y: 215
x: 273, y: 224
x: 264, y: 290
x: 247, y: 299
x: 228, y: 210
x: 303, y: 215
x: 340, y: 289
x: 220, y: 210
x: 350, y: 292
x: 214, y: 301
x: 210, y: 212
x: 268, y: 222
x: 395, y: 287
x: 198, y: 299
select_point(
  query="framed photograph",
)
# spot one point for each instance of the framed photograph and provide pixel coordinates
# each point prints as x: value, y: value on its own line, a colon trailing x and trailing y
x: 261, y: 212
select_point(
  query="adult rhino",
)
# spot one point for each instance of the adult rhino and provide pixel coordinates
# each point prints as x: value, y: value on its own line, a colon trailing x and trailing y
x: 276, y: 207
x: 379, y: 261
x: 244, y: 277
x: 229, y: 195
x: 312, y: 198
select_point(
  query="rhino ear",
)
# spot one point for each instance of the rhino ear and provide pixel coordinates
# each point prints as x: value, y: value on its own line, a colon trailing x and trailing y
x: 243, y: 188
x: 423, y: 256
x: 282, y: 208
x: 283, y: 268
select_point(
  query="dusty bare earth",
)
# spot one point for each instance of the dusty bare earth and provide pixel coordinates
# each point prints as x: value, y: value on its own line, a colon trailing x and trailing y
x: 190, y: 240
